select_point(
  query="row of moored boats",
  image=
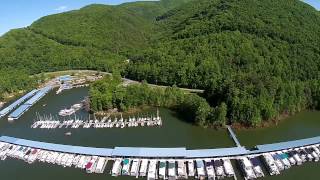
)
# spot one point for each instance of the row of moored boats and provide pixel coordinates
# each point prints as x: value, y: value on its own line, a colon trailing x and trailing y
x: 278, y: 161
x: 174, y: 168
x: 104, y: 123
x: 92, y: 164
x: 208, y: 168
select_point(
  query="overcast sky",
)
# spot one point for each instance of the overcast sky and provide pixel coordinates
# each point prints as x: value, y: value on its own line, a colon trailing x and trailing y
x: 21, y: 13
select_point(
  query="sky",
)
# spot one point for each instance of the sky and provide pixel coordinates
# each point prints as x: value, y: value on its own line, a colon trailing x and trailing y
x: 21, y: 13
x: 314, y: 3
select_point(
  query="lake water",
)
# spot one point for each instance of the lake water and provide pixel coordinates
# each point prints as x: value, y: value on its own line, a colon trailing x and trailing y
x: 174, y: 133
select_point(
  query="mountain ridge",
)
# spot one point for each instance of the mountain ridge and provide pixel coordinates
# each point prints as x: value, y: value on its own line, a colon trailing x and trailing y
x: 258, y: 59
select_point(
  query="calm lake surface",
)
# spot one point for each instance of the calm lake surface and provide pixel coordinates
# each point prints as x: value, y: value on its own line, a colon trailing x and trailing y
x: 174, y: 133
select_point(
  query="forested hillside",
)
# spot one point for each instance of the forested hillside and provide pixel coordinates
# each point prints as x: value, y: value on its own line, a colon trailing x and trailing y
x: 94, y: 37
x: 258, y: 59
x: 261, y: 58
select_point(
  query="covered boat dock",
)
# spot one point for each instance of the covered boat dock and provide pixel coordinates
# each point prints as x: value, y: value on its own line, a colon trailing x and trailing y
x: 28, y: 104
x: 160, y: 152
x: 8, y: 109
x: 286, y: 145
x: 58, y: 147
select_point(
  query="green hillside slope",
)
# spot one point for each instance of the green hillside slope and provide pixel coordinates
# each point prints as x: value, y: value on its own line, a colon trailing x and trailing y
x: 256, y: 59
x: 94, y: 37
x: 261, y: 58
x: 108, y: 28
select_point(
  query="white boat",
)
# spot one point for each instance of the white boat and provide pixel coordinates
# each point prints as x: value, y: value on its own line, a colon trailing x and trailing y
x: 277, y: 161
x: 58, y: 160
x: 296, y: 157
x: 163, y: 169
x: 247, y: 168
x: 126, y: 167
x: 152, y: 170
x: 135, y: 168
x: 172, y: 169
x: 219, y: 170
x: 290, y: 158
x: 101, y: 165
x: 228, y: 168
x: 210, y: 169
x: 86, y: 161
x: 201, y: 174
x: 91, y: 165
x: 182, y: 170
x: 143, y: 167
x: 285, y: 159
x: 316, y: 149
x: 191, y: 168
x: 76, y: 160
x: 66, y: 112
x: 76, y: 107
x: 256, y: 164
x: 70, y: 160
x: 81, y: 161
x: 272, y: 167
x: 116, y: 169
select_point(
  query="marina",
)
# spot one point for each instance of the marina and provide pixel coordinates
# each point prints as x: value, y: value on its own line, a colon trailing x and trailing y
x: 206, y: 139
x: 165, y: 163
x: 51, y: 123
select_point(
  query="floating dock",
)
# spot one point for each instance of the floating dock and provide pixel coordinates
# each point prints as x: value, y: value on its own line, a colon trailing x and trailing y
x: 38, y: 94
x: 128, y: 151
x: 201, y: 163
x: 8, y: 109
x: 162, y: 152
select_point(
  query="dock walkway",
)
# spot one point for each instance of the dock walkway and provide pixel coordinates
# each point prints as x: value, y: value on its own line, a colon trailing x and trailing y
x: 233, y: 136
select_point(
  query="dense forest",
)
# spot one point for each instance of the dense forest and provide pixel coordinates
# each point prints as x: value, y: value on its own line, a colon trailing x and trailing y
x: 260, y: 58
x: 256, y: 60
x: 109, y: 93
x: 95, y: 37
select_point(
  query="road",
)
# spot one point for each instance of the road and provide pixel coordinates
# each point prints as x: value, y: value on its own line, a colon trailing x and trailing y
x: 126, y: 81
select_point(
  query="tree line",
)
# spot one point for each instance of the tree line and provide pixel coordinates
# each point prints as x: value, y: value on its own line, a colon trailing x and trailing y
x: 109, y: 93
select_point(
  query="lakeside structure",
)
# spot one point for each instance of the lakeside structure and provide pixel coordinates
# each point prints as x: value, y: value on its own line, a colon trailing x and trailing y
x: 64, y: 82
x: 35, y: 97
x: 173, y: 163
x: 15, y: 104
x: 49, y: 122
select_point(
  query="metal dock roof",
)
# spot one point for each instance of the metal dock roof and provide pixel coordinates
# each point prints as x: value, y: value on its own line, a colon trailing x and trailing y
x: 149, y: 152
x: 18, y: 112
x: 17, y: 102
x: 58, y: 147
x: 42, y: 92
x: 160, y: 152
x: 286, y: 145
x: 221, y: 152
x: 65, y: 78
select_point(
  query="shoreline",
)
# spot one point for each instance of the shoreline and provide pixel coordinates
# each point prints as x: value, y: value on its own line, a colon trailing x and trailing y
x: 236, y: 126
x: 9, y: 97
x: 267, y: 123
x: 131, y: 111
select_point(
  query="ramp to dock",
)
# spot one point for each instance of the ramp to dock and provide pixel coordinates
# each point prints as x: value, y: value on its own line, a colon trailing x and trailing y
x: 233, y: 136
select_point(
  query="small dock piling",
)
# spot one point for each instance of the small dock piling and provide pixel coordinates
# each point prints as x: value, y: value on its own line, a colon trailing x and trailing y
x: 233, y: 136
